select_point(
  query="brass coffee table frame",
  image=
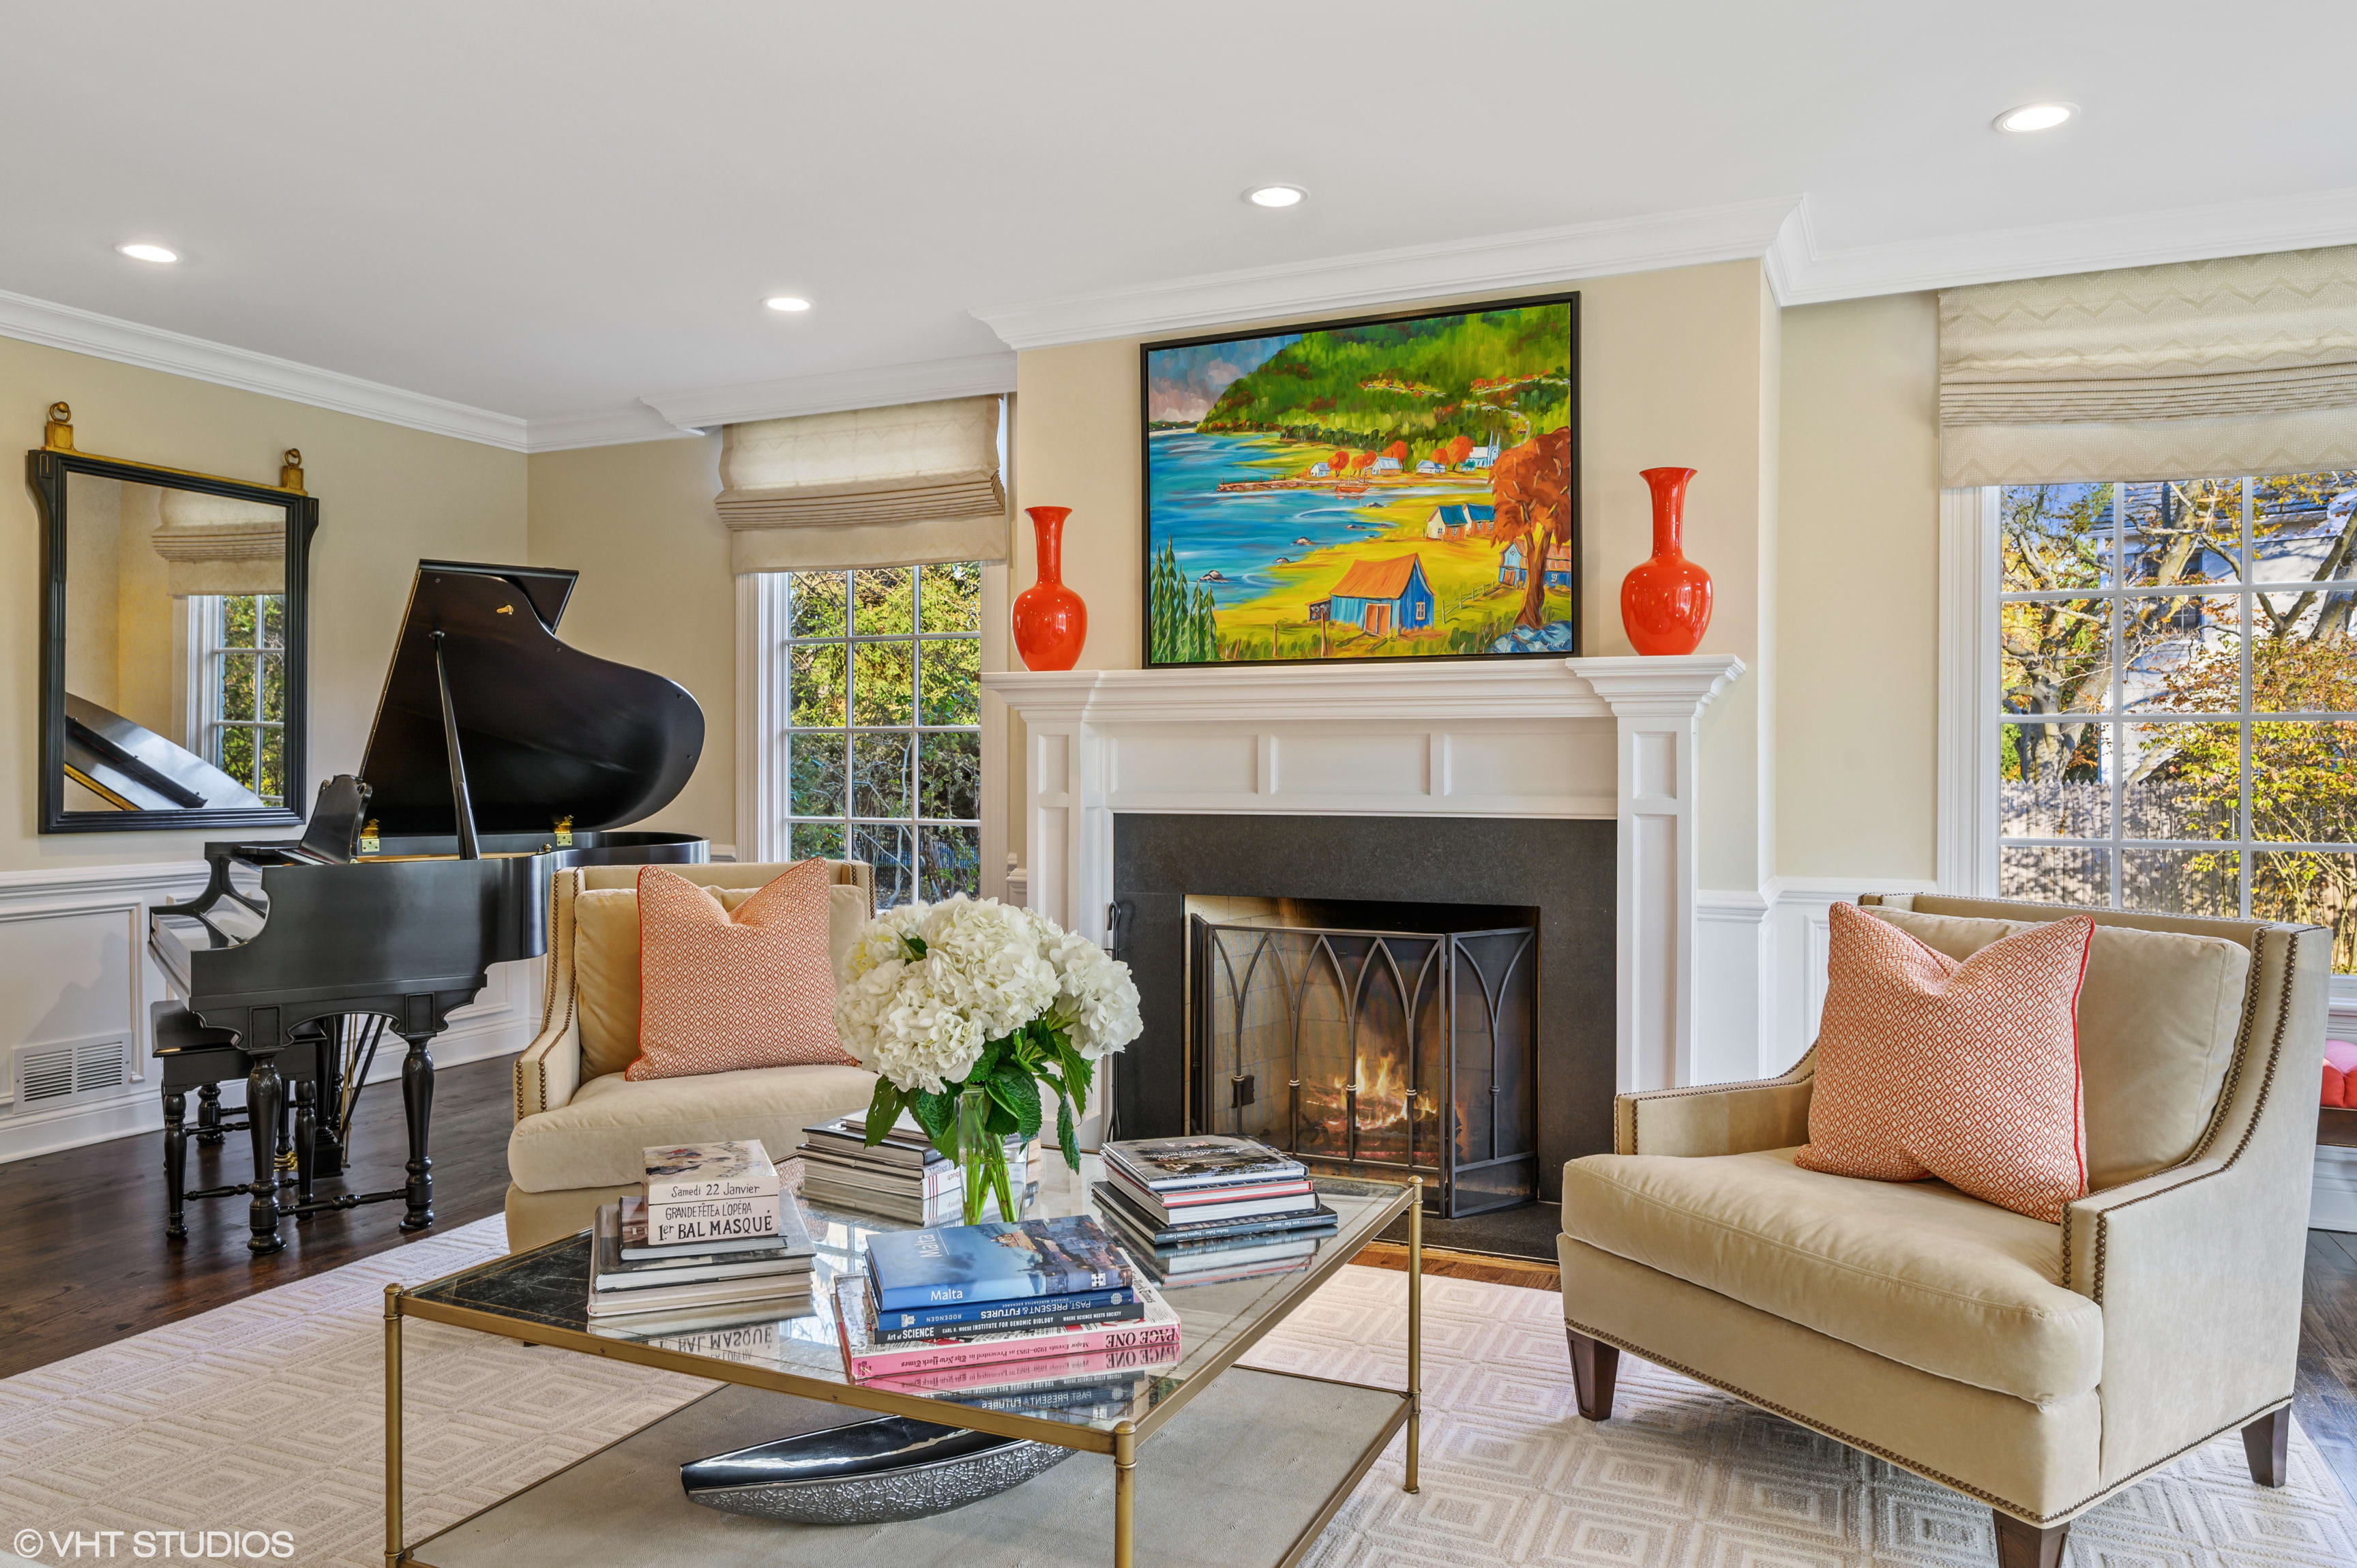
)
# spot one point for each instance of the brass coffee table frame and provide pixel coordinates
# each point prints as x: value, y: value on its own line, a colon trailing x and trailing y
x: 1120, y: 1442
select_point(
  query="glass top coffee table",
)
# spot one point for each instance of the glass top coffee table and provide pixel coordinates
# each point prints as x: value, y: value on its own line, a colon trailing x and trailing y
x: 602, y: 1507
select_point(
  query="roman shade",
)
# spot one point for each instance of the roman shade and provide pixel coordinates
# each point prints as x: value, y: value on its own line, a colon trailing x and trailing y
x: 2244, y: 365
x: 217, y: 544
x: 872, y: 487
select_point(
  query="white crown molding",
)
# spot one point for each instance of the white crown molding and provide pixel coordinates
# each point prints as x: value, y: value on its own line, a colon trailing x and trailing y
x: 605, y: 427
x: 833, y: 392
x: 154, y: 349
x: 1804, y: 271
x: 1534, y: 258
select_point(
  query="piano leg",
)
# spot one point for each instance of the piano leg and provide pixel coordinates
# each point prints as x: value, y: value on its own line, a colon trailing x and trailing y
x: 306, y: 1131
x: 263, y: 1088
x: 417, y: 1106
x: 176, y: 1162
x: 209, y: 1116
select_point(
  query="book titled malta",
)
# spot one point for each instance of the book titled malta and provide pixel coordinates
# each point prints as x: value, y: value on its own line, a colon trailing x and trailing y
x: 701, y: 1173
x: 995, y: 1261
x: 1154, y: 1337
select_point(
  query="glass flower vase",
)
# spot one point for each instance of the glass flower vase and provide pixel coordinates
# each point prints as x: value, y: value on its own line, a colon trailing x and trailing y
x: 981, y: 1157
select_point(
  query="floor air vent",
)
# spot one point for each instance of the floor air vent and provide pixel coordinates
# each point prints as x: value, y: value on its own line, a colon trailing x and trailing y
x: 47, y: 1073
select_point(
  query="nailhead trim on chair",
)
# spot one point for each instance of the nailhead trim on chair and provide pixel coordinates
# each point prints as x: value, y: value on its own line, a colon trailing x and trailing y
x: 1910, y: 1466
x: 1789, y: 1075
x: 2250, y: 1129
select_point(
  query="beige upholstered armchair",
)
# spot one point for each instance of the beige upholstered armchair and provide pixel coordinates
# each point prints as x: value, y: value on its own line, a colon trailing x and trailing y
x: 2035, y: 1367
x: 581, y: 1128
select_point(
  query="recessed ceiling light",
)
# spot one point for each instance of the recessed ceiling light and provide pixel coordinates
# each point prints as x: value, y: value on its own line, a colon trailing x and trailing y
x: 786, y: 302
x: 148, y: 253
x: 2035, y: 117
x: 1277, y: 196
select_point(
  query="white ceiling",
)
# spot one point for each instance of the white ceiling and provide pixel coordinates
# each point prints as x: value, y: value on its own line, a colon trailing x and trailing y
x: 552, y: 209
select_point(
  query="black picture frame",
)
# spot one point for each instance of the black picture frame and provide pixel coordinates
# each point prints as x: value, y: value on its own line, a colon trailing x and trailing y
x: 1568, y: 299
x: 47, y: 470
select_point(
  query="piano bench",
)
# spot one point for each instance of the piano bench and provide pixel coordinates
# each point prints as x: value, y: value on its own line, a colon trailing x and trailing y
x: 189, y: 1055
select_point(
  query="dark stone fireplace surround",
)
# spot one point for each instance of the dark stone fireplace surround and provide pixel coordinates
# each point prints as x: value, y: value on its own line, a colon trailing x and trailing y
x: 1562, y: 868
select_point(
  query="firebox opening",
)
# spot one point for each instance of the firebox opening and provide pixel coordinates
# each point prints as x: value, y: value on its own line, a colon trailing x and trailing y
x: 1383, y: 1037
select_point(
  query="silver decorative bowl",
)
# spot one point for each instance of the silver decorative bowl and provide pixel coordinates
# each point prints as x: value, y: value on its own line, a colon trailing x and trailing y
x: 870, y: 1471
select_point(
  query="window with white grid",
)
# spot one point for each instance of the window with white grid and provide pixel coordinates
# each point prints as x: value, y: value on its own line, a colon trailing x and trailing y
x: 2177, y: 697
x: 240, y: 649
x: 883, y: 723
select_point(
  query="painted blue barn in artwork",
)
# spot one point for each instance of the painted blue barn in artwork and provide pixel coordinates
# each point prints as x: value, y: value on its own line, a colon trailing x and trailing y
x: 1382, y: 598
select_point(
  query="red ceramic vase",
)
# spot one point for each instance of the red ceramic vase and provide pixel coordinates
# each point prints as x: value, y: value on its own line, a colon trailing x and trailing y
x: 1051, y: 621
x: 1666, y: 601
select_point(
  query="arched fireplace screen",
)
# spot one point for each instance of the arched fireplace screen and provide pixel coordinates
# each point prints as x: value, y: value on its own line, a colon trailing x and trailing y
x: 1346, y: 1047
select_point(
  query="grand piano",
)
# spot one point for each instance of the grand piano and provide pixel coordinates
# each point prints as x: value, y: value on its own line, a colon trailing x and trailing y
x: 499, y: 756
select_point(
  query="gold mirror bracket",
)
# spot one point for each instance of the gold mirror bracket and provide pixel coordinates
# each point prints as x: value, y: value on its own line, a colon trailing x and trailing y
x: 290, y: 471
x: 58, y: 434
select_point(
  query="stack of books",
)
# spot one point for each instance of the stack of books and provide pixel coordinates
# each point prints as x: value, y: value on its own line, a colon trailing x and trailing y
x: 1200, y: 1209
x: 903, y: 1178
x: 959, y: 1305
x: 714, y: 1231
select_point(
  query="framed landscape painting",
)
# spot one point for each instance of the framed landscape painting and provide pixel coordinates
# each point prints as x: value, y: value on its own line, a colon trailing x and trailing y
x: 1399, y: 487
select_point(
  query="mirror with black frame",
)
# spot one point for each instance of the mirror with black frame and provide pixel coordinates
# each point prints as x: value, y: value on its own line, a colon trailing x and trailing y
x: 173, y: 689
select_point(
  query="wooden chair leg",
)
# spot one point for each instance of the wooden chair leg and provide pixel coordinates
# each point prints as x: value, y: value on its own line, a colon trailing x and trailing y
x: 2267, y: 1444
x: 2020, y: 1545
x: 1594, y: 1365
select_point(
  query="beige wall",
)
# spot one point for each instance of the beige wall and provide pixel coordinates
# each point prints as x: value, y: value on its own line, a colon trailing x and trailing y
x: 1815, y: 509
x: 387, y: 496
x: 1857, y: 599
x: 1675, y: 367
x: 637, y: 522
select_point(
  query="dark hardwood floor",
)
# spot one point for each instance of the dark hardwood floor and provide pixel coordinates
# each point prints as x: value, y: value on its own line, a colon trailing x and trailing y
x: 84, y: 1260
x: 82, y: 1256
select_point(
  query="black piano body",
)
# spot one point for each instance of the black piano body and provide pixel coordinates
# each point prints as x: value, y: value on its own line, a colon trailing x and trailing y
x: 499, y: 757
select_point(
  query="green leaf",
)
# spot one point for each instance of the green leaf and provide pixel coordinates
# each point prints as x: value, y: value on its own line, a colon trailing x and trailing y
x: 1079, y: 1071
x: 884, y: 1110
x: 1001, y: 1122
x: 1016, y: 1089
x: 988, y: 1063
x: 1068, y: 1138
x: 914, y: 946
x: 937, y: 1115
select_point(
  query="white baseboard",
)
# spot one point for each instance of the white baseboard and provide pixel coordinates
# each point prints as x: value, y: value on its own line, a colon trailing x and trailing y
x: 2335, y: 1204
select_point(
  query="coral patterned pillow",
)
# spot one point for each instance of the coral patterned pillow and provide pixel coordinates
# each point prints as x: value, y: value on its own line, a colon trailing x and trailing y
x: 721, y: 991
x: 1962, y: 1070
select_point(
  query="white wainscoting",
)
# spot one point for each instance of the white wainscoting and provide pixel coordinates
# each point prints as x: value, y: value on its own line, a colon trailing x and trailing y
x: 74, y: 970
x: 1760, y: 962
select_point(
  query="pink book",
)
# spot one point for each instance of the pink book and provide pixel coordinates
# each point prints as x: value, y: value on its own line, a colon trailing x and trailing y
x: 1047, y: 1372
x: 1154, y: 1337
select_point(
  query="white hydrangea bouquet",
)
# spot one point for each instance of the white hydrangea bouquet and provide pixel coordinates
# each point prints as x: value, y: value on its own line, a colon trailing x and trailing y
x: 971, y: 1013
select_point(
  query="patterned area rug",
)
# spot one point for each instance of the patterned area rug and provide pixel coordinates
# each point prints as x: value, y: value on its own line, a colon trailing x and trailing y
x: 266, y: 1415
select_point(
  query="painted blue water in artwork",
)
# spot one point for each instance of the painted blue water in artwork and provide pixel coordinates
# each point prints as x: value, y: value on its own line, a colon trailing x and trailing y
x: 1241, y: 535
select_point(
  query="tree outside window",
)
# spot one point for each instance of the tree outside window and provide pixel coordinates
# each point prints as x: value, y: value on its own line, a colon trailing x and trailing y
x: 884, y: 738
x: 2178, y: 725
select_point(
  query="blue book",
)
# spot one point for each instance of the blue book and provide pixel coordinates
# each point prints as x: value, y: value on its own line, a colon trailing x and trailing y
x: 995, y: 1261
x: 958, y: 1313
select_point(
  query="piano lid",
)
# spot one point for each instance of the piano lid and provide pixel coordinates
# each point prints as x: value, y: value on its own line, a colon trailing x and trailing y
x: 545, y: 731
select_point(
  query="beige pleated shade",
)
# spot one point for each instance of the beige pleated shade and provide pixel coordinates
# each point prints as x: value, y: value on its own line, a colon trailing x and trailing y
x: 877, y: 487
x: 215, y: 545
x: 2244, y: 365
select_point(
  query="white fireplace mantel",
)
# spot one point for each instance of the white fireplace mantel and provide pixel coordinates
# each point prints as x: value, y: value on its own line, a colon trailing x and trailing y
x: 1576, y: 737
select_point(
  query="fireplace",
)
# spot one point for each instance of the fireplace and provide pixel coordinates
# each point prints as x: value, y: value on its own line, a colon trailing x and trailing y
x: 1385, y: 1039
x: 1571, y: 787
x: 1410, y: 879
